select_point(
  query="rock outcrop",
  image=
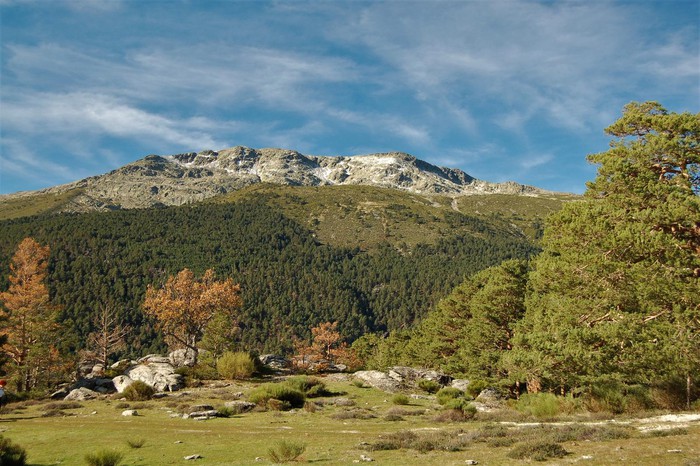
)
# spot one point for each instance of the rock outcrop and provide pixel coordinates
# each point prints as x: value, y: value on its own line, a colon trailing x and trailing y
x: 192, y: 177
x: 156, y: 371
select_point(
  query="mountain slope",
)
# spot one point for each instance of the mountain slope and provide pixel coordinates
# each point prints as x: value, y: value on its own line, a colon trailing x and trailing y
x: 193, y: 177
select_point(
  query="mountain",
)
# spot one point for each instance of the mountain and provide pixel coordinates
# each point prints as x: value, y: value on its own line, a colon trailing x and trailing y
x: 372, y: 242
x: 193, y: 177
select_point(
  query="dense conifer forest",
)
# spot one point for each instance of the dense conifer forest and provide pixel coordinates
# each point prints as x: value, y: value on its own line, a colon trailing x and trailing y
x: 290, y: 281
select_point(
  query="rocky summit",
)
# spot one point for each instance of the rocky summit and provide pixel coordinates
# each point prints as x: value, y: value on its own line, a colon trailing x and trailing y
x: 192, y: 177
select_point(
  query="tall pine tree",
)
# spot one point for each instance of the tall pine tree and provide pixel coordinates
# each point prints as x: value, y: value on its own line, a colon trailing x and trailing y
x: 616, y: 292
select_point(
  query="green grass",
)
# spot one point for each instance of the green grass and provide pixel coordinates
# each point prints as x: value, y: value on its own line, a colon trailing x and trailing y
x: 329, y: 439
x: 365, y: 216
x: 18, y: 206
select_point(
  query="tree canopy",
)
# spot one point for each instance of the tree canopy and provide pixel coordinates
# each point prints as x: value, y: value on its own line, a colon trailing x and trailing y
x: 616, y: 291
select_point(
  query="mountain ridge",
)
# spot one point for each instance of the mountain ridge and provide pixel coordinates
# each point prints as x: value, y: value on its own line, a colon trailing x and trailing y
x: 178, y: 179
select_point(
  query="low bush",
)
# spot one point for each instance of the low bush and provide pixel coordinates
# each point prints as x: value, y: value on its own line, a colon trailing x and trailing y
x: 63, y: 405
x: 277, y: 391
x: 104, y: 458
x: 539, y: 405
x: 286, y: 452
x: 429, y: 386
x: 538, y: 451
x: 400, y: 399
x: 136, y: 443
x: 475, y: 387
x: 462, y: 405
x: 448, y: 393
x: 423, y: 442
x: 235, y: 365
x: 226, y: 411
x: 138, y: 391
x: 11, y: 454
x: 55, y: 413
x: 355, y: 413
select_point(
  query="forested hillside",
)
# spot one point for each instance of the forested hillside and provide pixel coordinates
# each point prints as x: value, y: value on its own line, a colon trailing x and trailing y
x: 290, y: 280
x: 611, y: 306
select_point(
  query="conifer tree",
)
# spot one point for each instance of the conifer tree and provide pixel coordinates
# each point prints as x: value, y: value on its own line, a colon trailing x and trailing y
x: 28, y: 318
x: 470, y: 331
x: 616, y: 292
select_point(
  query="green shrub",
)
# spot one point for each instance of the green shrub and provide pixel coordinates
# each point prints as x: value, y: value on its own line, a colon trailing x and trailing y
x: 11, y: 454
x: 448, y: 393
x: 429, y: 386
x: 226, y: 411
x: 235, y: 365
x: 303, y: 383
x: 313, y: 387
x: 400, y: 399
x: 138, y: 391
x: 104, y: 458
x: 136, y: 443
x: 461, y: 404
x: 277, y: 391
x: 540, y: 405
x: 539, y: 451
x: 475, y: 387
x: 285, y: 452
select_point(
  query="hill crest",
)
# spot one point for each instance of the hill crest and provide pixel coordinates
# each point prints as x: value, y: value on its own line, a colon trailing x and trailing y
x: 193, y: 177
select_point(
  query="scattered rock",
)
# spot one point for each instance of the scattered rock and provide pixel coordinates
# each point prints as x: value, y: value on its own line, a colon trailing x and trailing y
x: 130, y: 412
x: 366, y: 458
x: 121, y: 382
x: 201, y: 415
x: 156, y: 371
x: 489, y: 395
x: 182, y: 357
x: 81, y: 394
x: 194, y: 457
x: 274, y: 361
x: 60, y: 394
x: 239, y: 406
x: 675, y: 451
x: 471, y: 462
x: 379, y: 380
x: 460, y: 384
x: 342, y: 401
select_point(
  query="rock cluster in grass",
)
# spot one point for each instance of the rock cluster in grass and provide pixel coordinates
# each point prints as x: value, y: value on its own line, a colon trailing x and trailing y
x: 399, y: 378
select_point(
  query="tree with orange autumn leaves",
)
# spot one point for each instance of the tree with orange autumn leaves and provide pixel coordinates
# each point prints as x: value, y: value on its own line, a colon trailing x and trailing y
x: 326, y: 349
x: 185, y: 305
x: 28, y: 319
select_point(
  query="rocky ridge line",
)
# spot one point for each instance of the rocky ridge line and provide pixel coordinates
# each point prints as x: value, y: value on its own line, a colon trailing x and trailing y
x: 192, y: 177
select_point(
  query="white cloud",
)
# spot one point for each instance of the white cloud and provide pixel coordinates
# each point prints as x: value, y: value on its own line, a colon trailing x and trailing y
x: 84, y: 115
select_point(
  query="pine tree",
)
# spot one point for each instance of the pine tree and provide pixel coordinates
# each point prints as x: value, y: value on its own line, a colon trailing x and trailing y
x: 616, y: 291
x: 470, y: 331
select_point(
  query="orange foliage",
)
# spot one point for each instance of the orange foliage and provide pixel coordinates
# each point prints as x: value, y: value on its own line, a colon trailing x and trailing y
x: 27, y: 298
x: 184, y: 305
x: 326, y: 348
x: 27, y: 313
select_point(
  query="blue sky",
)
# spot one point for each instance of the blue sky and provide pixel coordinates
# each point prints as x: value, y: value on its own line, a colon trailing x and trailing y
x: 504, y: 90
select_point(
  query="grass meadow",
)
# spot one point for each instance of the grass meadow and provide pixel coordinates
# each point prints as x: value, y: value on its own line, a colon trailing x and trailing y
x: 337, y: 430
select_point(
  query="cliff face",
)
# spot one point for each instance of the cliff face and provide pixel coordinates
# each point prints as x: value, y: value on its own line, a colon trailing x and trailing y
x: 192, y: 177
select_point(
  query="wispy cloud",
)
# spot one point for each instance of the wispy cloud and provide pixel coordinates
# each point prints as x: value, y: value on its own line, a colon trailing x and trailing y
x: 477, y: 85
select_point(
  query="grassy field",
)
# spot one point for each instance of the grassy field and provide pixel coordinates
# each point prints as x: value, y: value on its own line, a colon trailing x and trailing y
x: 333, y: 434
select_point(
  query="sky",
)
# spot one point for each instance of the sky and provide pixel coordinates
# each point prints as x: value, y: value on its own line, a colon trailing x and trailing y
x: 502, y: 89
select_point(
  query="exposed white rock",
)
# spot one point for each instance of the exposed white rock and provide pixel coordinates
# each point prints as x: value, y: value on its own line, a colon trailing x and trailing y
x: 81, y: 394
x: 185, y: 178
